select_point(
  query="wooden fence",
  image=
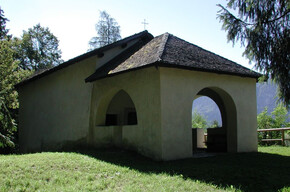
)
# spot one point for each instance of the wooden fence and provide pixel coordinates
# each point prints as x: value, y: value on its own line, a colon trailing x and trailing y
x: 276, y: 129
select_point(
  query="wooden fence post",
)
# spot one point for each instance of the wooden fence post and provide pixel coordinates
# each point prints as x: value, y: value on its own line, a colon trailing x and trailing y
x: 283, y: 138
x: 275, y: 129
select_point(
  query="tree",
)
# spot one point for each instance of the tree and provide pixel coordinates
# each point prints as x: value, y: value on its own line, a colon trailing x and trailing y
x: 264, y: 119
x: 280, y: 116
x: 214, y: 124
x: 10, y: 74
x: 277, y: 119
x: 108, y: 31
x: 198, y: 121
x: 264, y: 122
x: 263, y: 28
x: 38, y: 49
x: 3, y: 30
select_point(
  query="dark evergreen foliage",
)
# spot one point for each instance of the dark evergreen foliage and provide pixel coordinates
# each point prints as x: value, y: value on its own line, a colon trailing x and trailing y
x: 263, y: 28
x: 3, y: 20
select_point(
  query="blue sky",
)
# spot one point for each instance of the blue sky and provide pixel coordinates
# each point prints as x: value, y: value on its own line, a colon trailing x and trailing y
x: 73, y: 21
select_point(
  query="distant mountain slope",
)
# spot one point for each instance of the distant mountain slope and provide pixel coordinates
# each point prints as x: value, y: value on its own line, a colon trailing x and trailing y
x: 207, y: 108
x: 266, y: 97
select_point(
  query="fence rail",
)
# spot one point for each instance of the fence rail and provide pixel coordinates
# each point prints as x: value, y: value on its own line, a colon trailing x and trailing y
x: 276, y: 129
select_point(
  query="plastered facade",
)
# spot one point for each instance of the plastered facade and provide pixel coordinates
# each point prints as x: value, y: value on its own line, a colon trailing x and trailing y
x: 178, y: 88
x: 163, y: 100
x: 54, y: 110
x: 62, y: 108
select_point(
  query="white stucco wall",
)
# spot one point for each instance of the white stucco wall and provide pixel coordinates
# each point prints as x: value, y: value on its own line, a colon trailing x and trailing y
x: 55, y: 109
x: 178, y: 89
x: 163, y: 100
x: 61, y: 107
x: 143, y: 88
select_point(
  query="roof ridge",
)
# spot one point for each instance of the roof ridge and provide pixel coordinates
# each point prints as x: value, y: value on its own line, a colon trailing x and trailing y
x: 162, y: 46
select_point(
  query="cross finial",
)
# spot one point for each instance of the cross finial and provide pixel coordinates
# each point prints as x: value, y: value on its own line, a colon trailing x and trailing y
x: 144, y: 23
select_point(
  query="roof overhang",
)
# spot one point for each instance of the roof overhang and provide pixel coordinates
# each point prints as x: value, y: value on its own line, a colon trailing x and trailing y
x: 158, y: 64
x: 144, y: 35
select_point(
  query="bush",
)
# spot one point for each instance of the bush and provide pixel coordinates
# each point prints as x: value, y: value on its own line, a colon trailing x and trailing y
x: 277, y: 119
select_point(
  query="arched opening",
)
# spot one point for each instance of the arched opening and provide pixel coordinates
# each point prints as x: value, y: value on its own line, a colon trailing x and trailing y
x: 121, y: 110
x: 213, y: 111
x: 205, y: 115
x: 206, y: 108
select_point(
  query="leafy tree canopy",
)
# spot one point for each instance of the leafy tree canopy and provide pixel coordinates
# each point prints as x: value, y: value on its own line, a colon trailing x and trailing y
x: 108, y: 31
x: 263, y: 28
x: 38, y: 49
x: 10, y: 74
x: 278, y: 118
x: 264, y: 120
x: 198, y: 121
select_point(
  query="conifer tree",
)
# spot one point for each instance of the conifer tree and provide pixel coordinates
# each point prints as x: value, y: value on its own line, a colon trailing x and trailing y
x: 108, y: 31
x: 263, y: 27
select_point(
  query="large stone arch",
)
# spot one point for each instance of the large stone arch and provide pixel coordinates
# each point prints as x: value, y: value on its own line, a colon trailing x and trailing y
x: 228, y: 111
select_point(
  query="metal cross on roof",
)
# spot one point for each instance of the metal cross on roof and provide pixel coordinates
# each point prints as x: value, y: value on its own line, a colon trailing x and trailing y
x: 144, y: 23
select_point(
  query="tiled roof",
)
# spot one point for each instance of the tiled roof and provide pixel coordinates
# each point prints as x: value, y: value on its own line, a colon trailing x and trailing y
x: 165, y: 50
x: 169, y: 51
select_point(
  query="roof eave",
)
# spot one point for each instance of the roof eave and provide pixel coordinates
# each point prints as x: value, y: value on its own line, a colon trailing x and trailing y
x: 162, y: 64
x: 82, y: 57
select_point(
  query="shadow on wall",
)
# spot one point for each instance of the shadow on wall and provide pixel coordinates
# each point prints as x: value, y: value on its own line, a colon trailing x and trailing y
x: 246, y: 171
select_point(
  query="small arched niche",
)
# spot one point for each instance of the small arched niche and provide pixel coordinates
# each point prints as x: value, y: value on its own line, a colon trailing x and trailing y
x: 121, y: 110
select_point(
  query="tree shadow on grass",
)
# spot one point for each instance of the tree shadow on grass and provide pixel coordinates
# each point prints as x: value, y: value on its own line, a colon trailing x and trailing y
x: 246, y: 171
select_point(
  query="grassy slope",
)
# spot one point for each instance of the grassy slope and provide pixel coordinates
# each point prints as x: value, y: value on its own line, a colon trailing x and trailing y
x: 125, y: 171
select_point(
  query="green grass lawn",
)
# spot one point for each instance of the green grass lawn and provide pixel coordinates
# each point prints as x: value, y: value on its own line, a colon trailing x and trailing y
x: 115, y: 170
x: 285, y: 151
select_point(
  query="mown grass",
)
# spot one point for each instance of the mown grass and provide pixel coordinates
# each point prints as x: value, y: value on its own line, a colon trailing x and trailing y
x: 116, y: 170
x: 275, y: 149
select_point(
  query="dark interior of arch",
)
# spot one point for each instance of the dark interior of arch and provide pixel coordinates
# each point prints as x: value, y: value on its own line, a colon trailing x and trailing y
x: 121, y: 110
